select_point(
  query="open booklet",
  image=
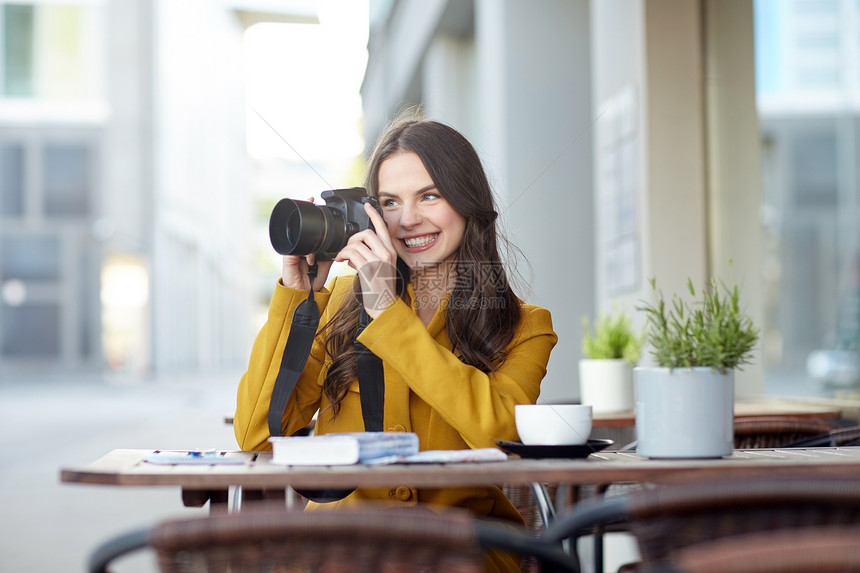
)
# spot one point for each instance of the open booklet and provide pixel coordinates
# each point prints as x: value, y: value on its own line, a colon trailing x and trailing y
x: 445, y: 456
x: 367, y: 448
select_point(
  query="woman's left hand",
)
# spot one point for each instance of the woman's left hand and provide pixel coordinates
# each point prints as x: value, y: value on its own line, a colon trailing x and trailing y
x: 373, y: 256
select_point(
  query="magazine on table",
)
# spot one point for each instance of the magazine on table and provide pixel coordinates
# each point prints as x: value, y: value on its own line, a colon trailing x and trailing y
x: 341, y: 449
x: 368, y: 448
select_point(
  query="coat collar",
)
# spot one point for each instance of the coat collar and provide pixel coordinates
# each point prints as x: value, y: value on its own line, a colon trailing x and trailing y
x: 437, y: 323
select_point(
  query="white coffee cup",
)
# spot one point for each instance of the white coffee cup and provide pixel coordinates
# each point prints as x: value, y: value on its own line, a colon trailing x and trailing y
x: 553, y: 424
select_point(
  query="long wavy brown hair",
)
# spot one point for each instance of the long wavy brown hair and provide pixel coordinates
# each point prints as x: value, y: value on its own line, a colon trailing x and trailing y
x: 483, y: 311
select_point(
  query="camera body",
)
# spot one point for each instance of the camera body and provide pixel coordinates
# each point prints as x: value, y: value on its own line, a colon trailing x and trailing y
x: 302, y: 228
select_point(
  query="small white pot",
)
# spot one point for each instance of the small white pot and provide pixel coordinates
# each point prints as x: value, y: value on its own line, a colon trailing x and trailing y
x: 606, y: 385
x: 684, y: 412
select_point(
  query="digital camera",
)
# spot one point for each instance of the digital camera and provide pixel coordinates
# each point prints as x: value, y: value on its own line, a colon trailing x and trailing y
x: 302, y: 228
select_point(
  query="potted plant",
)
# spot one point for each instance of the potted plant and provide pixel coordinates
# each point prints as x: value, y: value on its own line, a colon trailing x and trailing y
x: 685, y: 405
x: 611, y: 348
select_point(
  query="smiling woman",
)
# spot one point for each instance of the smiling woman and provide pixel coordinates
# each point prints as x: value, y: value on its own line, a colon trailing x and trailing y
x: 453, y: 350
x: 427, y: 229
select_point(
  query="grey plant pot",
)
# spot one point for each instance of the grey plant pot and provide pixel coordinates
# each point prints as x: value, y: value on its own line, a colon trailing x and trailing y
x: 684, y: 412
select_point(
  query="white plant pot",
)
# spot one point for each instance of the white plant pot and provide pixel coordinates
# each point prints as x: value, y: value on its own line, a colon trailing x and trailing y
x: 606, y: 385
x: 684, y: 412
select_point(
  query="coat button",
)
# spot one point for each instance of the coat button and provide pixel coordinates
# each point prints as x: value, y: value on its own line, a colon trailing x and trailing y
x: 403, y: 493
x: 399, y: 428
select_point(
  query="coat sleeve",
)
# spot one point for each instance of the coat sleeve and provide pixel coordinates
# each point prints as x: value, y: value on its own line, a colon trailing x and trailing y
x: 250, y: 423
x: 478, y: 405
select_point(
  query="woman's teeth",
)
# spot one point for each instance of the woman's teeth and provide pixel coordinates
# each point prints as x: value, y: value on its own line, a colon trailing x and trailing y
x: 420, y: 241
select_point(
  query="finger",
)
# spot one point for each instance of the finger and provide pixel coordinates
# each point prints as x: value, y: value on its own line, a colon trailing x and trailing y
x: 379, y: 225
x: 292, y: 262
x: 354, y: 257
x: 375, y: 245
x: 381, y: 238
x: 311, y: 259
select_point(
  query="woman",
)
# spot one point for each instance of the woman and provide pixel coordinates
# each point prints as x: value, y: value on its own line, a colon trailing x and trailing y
x: 459, y: 349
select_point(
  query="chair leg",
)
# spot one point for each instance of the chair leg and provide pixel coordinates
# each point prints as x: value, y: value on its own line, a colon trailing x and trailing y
x: 600, y: 490
x: 598, y: 551
x: 544, y: 503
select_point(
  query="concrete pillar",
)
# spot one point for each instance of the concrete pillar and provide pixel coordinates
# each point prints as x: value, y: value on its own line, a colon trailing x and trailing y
x: 734, y: 164
x: 534, y: 120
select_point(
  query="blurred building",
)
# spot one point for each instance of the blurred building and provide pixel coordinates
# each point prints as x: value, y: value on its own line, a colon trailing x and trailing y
x: 124, y: 204
x: 809, y: 103
x: 625, y: 139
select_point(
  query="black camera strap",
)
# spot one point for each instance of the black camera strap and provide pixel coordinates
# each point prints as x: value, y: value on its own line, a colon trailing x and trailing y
x: 306, y: 320
x: 371, y: 378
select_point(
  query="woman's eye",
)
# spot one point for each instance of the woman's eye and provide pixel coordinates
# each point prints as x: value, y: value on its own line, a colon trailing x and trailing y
x: 388, y: 203
x: 430, y: 196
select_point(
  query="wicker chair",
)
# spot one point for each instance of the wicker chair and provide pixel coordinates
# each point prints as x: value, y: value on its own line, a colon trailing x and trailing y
x: 268, y: 538
x: 818, y: 549
x: 523, y: 497
x: 749, y: 433
x: 536, y: 517
x: 667, y: 518
x: 777, y: 431
x: 845, y: 436
x: 848, y: 436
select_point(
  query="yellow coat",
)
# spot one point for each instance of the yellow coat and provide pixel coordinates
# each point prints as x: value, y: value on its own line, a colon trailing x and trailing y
x: 428, y: 390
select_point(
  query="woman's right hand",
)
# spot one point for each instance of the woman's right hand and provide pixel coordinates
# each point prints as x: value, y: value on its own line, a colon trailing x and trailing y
x: 294, y: 270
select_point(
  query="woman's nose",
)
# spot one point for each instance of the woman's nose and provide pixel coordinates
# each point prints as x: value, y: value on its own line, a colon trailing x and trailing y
x: 410, y: 216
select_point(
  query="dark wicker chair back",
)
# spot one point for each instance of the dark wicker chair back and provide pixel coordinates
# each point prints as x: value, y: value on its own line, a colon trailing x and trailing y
x: 666, y: 518
x: 777, y: 431
x: 845, y: 436
x: 319, y: 541
x: 267, y: 538
x: 820, y: 549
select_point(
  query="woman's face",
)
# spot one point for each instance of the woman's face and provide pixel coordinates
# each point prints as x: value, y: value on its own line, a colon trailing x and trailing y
x: 424, y: 228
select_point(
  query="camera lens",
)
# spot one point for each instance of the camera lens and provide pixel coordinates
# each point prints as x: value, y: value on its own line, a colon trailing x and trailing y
x: 294, y: 226
x: 301, y: 228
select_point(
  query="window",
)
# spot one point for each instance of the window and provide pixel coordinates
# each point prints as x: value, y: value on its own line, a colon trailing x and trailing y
x: 30, y: 330
x: 30, y: 257
x: 811, y: 210
x: 18, y: 50
x: 814, y: 169
x: 49, y: 50
x: 11, y: 180
x: 67, y: 180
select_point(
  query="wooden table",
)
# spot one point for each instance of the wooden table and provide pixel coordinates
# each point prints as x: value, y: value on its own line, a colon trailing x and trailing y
x: 127, y: 468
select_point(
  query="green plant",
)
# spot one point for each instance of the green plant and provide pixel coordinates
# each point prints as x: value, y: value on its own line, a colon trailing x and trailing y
x: 711, y: 332
x: 611, y: 337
